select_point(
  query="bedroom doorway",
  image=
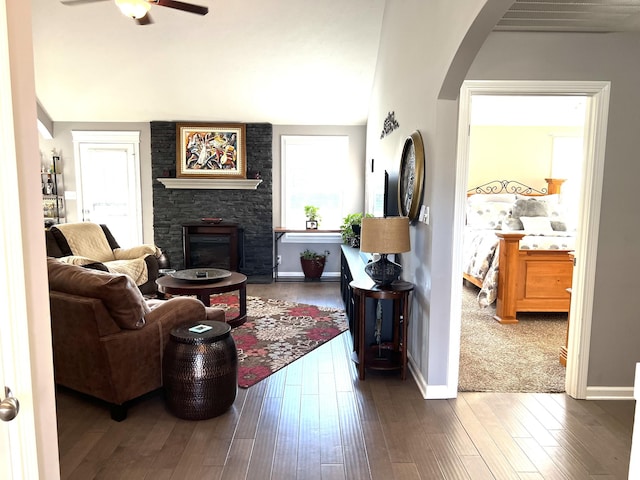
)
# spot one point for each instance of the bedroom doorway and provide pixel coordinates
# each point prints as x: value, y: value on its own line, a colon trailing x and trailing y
x: 597, y: 95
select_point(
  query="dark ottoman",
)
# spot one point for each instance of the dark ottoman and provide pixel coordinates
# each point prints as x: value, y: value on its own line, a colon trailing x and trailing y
x: 200, y: 370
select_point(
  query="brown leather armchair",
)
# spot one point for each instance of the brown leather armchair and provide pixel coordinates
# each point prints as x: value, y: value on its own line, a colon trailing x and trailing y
x: 108, y: 341
x: 91, y: 245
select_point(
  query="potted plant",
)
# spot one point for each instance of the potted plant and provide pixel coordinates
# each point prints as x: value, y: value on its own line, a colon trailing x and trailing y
x: 350, y: 228
x: 313, y: 218
x: 313, y: 263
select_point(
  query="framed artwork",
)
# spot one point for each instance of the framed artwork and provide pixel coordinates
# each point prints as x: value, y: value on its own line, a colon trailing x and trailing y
x: 206, y: 150
x: 411, y: 176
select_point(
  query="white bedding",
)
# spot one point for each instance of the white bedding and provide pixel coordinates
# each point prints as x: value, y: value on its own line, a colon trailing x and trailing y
x: 481, y: 253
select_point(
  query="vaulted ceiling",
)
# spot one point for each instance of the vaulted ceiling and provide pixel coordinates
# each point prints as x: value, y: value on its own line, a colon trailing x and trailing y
x: 280, y: 61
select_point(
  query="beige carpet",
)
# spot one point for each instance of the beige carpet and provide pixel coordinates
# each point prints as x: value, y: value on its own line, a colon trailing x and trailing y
x: 509, y: 358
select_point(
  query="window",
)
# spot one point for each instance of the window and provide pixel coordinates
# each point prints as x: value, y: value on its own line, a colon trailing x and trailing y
x: 568, y: 163
x: 313, y: 174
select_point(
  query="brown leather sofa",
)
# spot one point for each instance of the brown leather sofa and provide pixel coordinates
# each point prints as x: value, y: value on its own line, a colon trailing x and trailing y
x: 108, y: 341
x: 113, y: 256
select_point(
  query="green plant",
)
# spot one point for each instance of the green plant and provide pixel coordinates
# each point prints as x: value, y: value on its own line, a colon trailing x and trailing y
x: 346, y: 229
x: 311, y: 213
x: 313, y: 255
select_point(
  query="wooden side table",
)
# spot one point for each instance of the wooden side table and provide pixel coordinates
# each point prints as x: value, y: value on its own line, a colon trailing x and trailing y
x: 200, y: 370
x: 236, y: 281
x: 375, y: 358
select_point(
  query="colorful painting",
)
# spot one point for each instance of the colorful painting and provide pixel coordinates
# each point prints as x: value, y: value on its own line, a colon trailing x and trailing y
x: 211, y: 150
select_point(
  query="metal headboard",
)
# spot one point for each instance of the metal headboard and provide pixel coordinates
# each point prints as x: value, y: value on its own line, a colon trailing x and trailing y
x: 506, y: 186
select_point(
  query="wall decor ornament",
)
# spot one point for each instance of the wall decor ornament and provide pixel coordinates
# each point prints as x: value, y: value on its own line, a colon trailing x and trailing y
x: 207, y: 150
x: 411, y: 176
x: 390, y: 124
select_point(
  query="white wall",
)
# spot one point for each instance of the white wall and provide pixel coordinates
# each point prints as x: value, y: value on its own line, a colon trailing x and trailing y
x: 418, y: 44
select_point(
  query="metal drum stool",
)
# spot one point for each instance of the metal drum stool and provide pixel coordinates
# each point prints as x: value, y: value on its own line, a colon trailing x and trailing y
x: 200, y: 370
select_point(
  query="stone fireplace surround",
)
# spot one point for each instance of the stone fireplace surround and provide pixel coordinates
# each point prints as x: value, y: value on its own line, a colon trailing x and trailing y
x: 251, y: 209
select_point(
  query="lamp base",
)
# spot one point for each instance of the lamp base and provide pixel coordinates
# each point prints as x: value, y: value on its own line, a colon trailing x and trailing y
x: 383, y: 271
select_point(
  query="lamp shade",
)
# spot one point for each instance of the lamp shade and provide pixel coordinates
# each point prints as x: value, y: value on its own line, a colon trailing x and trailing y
x: 385, y: 235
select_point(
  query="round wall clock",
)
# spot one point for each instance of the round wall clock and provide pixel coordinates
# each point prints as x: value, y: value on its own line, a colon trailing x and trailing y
x: 411, y: 176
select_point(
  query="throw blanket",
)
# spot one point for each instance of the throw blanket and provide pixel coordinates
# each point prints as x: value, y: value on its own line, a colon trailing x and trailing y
x: 89, y: 244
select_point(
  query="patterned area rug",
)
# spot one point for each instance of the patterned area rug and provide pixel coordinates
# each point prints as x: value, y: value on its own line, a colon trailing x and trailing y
x: 277, y: 333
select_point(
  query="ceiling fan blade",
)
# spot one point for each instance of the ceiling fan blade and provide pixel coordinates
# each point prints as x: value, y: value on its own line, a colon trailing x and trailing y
x: 79, y: 2
x: 185, y: 7
x: 146, y: 20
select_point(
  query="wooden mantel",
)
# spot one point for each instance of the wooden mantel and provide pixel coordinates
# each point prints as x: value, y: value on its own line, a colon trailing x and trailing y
x: 211, y: 183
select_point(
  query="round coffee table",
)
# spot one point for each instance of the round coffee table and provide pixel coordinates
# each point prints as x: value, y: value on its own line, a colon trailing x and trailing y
x: 203, y: 290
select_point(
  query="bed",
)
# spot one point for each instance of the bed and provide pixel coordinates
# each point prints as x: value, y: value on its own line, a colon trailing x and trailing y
x: 518, y: 248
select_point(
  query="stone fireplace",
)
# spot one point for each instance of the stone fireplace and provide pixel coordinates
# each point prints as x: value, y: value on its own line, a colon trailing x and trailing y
x: 251, y: 210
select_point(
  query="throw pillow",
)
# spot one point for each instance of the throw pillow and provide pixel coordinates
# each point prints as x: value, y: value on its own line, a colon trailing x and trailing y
x: 537, y: 225
x: 530, y: 207
x: 487, y: 215
x: 510, y: 224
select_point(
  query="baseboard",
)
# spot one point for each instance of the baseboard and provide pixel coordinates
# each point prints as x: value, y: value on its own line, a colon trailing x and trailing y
x: 609, y: 393
x: 429, y: 392
x: 299, y: 277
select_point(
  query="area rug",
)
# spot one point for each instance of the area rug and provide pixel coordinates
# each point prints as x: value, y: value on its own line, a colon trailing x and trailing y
x: 510, y: 358
x: 277, y: 333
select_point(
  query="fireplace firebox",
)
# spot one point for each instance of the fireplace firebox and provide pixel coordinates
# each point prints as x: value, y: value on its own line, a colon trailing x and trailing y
x: 212, y: 245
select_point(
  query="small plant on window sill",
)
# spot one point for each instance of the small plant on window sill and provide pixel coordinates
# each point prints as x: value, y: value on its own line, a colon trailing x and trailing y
x: 313, y: 218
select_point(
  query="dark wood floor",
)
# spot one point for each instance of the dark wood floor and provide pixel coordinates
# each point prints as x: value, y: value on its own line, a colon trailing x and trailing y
x: 315, y: 420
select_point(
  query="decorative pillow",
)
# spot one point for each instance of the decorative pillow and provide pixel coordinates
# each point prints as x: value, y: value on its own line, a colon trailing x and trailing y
x: 510, y: 224
x: 487, y: 215
x: 530, y: 207
x: 118, y: 292
x: 537, y: 225
x: 558, y: 226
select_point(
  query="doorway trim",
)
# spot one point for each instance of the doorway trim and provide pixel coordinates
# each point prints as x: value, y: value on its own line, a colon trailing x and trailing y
x: 583, y: 283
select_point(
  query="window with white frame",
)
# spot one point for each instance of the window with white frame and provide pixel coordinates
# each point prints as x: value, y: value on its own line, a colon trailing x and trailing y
x: 567, y: 163
x: 313, y: 174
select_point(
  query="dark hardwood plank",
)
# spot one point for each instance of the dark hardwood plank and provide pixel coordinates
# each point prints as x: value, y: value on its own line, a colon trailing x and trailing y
x: 309, y: 452
x: 286, y: 451
x: 314, y: 419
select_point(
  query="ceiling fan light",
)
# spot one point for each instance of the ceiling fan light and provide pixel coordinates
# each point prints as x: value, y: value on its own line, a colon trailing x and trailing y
x: 134, y: 8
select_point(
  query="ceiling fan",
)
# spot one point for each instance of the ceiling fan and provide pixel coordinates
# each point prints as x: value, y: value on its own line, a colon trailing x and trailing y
x: 139, y: 9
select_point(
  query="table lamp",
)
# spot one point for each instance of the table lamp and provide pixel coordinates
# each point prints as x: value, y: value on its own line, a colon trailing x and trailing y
x: 384, y: 236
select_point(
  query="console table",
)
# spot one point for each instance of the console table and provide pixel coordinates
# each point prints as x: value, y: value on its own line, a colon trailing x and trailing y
x: 386, y: 356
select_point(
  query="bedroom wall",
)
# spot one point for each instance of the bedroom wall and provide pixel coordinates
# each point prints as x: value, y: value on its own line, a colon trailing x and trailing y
x: 500, y: 152
x: 615, y: 331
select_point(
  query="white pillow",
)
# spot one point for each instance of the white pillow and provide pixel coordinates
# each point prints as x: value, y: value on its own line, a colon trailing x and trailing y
x: 537, y: 225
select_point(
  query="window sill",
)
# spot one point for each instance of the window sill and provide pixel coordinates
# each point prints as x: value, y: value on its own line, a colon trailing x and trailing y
x: 299, y: 237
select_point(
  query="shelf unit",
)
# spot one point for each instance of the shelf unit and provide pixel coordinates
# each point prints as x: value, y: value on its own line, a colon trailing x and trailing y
x: 53, y: 192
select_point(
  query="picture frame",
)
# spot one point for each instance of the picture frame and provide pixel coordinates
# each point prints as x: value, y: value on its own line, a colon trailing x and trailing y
x: 211, y: 150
